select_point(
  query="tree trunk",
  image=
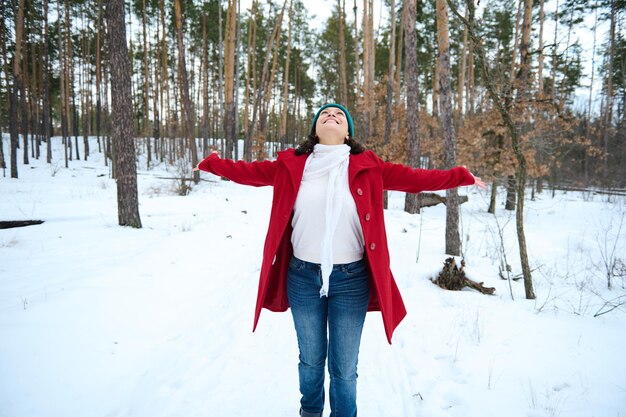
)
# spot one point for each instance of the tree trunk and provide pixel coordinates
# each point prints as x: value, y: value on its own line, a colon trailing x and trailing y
x: 284, y: 112
x: 85, y: 91
x: 368, y: 69
x: 205, y: 85
x: 510, y: 193
x: 357, y: 82
x: 99, y: 80
x: 156, y: 127
x: 593, y: 65
x: 399, y: 54
x: 122, y: 117
x: 492, y: 198
x: 220, y: 69
x: 436, y: 88
x: 146, y: 84
x: 462, y: 71
x: 470, y: 80
x: 506, y: 116
x: 554, y: 58
x: 263, y: 90
x: 608, y: 108
x: 518, y: 17
x: 247, y: 145
x: 164, y: 77
x: 69, y: 82
x: 540, y: 60
x: 63, y: 90
x: 390, y: 72
x: 184, y: 91
x: 411, y: 202
x: 453, y: 239
x: 13, y: 92
x: 23, y: 106
x: 3, y: 43
x: 238, y: 71
x: 343, y: 82
x: 229, y: 77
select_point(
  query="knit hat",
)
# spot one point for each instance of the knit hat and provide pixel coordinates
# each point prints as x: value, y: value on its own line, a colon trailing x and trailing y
x: 343, y: 109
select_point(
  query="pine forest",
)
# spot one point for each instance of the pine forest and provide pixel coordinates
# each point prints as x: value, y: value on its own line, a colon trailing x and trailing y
x: 530, y: 94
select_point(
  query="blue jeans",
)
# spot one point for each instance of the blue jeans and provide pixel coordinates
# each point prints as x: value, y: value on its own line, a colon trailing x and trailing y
x: 328, y: 326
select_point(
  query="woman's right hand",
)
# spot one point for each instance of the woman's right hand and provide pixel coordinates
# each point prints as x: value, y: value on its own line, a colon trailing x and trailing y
x: 196, y: 168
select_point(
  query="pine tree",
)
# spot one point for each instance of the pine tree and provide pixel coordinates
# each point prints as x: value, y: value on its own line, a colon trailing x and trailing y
x: 122, y: 117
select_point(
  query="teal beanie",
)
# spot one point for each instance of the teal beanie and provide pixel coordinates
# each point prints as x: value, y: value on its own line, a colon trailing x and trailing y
x: 345, y: 111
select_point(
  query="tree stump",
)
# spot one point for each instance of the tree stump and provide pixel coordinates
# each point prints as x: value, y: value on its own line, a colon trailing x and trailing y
x: 453, y: 278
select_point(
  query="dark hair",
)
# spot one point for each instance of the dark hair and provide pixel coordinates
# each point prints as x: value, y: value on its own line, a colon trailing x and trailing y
x: 306, y: 147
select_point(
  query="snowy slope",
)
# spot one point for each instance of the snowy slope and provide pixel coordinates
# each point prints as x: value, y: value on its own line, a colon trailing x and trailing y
x: 100, y: 321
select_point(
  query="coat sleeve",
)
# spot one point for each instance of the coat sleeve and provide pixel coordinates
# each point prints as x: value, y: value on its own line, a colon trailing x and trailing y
x: 257, y: 174
x: 400, y: 177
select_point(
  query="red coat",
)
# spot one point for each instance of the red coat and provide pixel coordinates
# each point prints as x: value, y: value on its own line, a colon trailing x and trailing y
x: 368, y: 176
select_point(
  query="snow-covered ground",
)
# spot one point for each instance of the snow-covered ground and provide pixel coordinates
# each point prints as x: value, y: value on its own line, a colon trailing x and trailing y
x: 98, y: 320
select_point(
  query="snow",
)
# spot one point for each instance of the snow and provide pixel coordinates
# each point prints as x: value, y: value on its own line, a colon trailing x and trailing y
x: 98, y: 320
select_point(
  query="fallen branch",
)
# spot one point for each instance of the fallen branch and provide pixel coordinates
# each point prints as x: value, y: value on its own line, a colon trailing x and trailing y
x: 9, y: 224
x: 609, y: 306
x: 432, y: 199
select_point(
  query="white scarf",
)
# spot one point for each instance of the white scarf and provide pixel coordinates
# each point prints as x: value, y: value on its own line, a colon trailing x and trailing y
x: 331, y: 160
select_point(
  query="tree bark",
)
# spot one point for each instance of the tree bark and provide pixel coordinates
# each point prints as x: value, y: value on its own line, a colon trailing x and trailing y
x: 510, y: 193
x: 411, y: 201
x: 453, y: 239
x: 122, y: 117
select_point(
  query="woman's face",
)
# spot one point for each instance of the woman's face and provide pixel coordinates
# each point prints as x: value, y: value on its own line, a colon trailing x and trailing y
x: 332, y: 126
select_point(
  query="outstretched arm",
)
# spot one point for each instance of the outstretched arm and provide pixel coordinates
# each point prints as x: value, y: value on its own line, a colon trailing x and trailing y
x: 403, y: 178
x: 257, y: 174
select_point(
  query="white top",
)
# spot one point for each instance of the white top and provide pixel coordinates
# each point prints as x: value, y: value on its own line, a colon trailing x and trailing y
x: 310, y: 217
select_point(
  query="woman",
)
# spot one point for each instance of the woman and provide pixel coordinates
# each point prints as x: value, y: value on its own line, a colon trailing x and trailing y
x: 326, y: 254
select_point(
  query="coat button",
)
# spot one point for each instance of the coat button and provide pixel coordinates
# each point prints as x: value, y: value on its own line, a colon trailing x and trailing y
x: 367, y: 217
x: 359, y: 191
x: 372, y: 246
